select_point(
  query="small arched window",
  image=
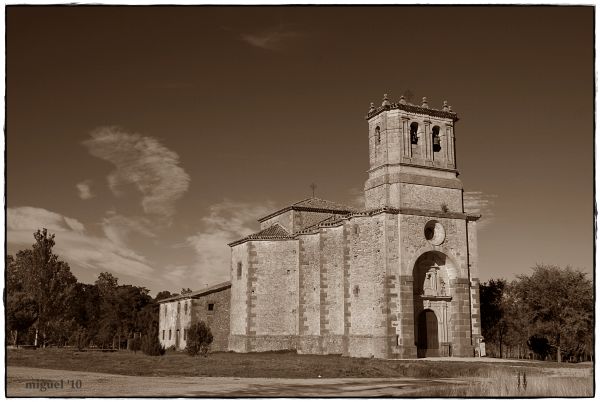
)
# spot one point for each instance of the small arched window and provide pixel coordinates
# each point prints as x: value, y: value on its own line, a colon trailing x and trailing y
x: 414, y: 137
x: 239, y: 270
x: 435, y: 136
x: 377, y: 135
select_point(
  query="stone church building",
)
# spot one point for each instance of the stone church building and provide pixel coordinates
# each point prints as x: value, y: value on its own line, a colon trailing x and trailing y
x: 395, y: 279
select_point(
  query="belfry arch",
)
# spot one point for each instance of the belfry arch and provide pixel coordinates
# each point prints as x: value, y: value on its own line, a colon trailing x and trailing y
x: 432, y: 298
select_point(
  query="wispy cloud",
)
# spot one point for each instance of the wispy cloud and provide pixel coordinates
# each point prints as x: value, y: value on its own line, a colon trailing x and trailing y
x: 74, y: 244
x: 225, y: 222
x: 480, y: 203
x: 84, y: 190
x: 275, y: 39
x: 143, y: 162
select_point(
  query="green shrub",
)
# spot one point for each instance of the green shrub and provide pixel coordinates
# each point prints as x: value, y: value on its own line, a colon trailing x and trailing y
x: 199, y: 339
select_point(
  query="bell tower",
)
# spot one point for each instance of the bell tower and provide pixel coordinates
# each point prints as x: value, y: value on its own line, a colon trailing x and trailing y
x: 412, y: 157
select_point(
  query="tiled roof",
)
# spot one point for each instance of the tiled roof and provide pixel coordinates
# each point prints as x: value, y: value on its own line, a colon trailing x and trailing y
x: 319, y: 203
x: 312, y: 204
x: 197, y: 293
x: 273, y: 232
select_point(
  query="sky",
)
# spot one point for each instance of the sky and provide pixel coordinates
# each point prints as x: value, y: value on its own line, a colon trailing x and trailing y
x: 147, y: 138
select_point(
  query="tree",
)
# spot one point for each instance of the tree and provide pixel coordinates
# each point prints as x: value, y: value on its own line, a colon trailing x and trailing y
x: 199, y: 339
x: 493, y: 321
x: 559, y: 303
x: 163, y: 295
x: 185, y: 291
x: 151, y: 345
x: 21, y: 307
x: 46, y: 280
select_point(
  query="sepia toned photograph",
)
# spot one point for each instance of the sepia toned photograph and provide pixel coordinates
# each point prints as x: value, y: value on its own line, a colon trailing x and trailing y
x: 286, y: 201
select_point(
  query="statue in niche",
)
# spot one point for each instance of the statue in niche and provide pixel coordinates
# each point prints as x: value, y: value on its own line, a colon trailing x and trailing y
x: 442, y: 287
x: 430, y: 284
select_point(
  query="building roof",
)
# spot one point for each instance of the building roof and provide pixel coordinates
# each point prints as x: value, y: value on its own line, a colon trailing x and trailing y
x: 273, y: 232
x: 409, y: 107
x: 312, y: 204
x: 199, y: 293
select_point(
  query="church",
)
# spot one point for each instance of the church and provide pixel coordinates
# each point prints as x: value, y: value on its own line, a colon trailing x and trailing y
x: 395, y: 279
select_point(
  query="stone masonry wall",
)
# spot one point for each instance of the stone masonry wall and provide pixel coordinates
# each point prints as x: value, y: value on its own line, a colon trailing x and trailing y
x: 309, y: 308
x: 332, y: 289
x: 367, y: 283
x: 273, y: 295
x: 217, y: 319
x: 430, y: 198
x: 173, y: 318
x: 239, y: 297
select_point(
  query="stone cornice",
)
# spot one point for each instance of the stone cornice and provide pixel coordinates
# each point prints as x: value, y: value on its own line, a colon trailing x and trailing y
x: 407, y: 107
x: 430, y: 167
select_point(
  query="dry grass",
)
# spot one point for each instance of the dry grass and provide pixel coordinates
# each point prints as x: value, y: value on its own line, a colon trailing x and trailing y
x: 501, y: 383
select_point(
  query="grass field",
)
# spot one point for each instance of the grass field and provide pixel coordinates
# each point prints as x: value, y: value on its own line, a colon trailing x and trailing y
x: 486, y: 378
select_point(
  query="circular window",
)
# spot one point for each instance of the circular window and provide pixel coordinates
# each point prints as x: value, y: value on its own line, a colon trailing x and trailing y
x: 434, y: 232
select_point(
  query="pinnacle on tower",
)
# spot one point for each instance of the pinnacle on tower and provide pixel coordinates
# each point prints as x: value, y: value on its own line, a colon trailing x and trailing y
x: 385, y: 102
x: 425, y: 102
x: 445, y: 107
x: 372, y: 108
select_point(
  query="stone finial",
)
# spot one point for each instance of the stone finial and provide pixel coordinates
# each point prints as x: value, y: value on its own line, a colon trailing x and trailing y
x: 450, y: 108
x: 403, y: 100
x: 445, y: 107
x: 372, y: 108
x: 425, y: 102
x: 385, y: 102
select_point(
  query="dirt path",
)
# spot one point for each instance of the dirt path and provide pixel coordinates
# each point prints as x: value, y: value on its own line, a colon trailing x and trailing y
x: 26, y: 381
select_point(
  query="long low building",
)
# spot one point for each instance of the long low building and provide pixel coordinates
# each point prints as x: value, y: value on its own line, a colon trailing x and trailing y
x: 178, y: 313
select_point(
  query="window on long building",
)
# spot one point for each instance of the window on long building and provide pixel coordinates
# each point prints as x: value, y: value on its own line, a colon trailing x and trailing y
x: 163, y: 334
x: 211, y: 306
x: 169, y: 334
x: 239, y: 270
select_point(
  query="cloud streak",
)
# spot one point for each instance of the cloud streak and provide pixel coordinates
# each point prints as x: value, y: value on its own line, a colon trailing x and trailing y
x: 274, y: 39
x: 144, y: 163
x: 480, y: 203
x: 226, y: 221
x: 74, y: 244
x: 84, y: 190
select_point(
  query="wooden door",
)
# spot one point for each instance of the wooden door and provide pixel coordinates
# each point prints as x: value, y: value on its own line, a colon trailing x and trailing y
x: 427, y: 343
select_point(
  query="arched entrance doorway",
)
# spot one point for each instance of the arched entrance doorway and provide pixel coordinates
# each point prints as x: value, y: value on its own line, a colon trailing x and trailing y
x: 427, y: 335
x: 432, y: 297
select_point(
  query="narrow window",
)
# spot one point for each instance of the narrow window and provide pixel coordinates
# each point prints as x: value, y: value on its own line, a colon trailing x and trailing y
x: 377, y: 135
x: 169, y: 334
x: 184, y: 334
x: 165, y: 309
x: 178, y: 307
x: 163, y: 334
x: 356, y: 290
x: 356, y: 229
x: 239, y: 270
x: 211, y: 306
x: 185, y: 308
x: 177, y: 335
x: 435, y: 136
x: 414, y: 137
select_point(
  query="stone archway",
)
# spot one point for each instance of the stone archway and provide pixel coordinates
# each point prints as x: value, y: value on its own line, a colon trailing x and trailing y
x: 432, y: 296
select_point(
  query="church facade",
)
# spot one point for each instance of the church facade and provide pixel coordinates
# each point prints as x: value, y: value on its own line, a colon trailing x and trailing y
x: 395, y: 279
